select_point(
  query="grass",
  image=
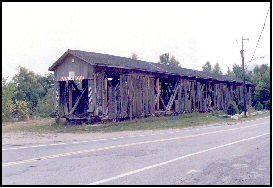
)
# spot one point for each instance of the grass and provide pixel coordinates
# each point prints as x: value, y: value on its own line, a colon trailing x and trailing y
x: 151, y: 123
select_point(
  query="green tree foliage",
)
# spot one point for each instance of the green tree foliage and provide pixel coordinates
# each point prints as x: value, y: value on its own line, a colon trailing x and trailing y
x: 229, y: 72
x: 241, y: 106
x: 8, y: 105
x: 27, y: 94
x: 259, y: 106
x: 260, y: 76
x: 216, y: 69
x: 134, y: 56
x: 232, y: 108
x: 166, y: 60
x: 22, y: 111
x: 267, y: 105
x: 45, y: 105
x: 31, y: 87
x: 237, y: 72
x: 207, y: 67
x: 261, y: 79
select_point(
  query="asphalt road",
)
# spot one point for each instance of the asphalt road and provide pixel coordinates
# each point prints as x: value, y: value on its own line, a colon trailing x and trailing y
x: 209, y: 155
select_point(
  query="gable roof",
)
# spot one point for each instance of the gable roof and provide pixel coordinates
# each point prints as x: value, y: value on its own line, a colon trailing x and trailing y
x: 128, y: 63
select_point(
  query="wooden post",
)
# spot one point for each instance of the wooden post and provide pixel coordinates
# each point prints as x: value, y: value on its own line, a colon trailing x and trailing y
x: 130, y: 97
x: 184, y: 95
x: 179, y: 110
x: 158, y: 91
x: 198, y: 93
x: 95, y: 95
x: 209, y: 95
x: 105, y: 110
x: 171, y: 100
x: 70, y: 95
x: 193, y: 95
x: 152, y: 96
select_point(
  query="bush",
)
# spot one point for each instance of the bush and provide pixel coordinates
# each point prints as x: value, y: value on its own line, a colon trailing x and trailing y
x: 267, y: 105
x: 8, y: 106
x: 22, y: 111
x: 259, y: 106
x: 45, y: 107
x: 232, y: 108
x: 241, y: 106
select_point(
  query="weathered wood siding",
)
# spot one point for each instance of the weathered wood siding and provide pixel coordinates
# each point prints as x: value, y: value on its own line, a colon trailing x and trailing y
x: 140, y: 95
x: 71, y: 63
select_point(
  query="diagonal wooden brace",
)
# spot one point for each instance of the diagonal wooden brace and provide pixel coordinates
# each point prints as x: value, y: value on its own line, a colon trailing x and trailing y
x: 77, y: 102
x: 170, y: 103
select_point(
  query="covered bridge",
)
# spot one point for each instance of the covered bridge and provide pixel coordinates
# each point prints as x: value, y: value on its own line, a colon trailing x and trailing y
x: 93, y: 86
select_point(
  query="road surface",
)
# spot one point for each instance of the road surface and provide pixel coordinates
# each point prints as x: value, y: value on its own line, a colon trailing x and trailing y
x: 207, y: 155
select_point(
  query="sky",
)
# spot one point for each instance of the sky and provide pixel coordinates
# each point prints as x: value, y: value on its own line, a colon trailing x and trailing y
x: 35, y: 35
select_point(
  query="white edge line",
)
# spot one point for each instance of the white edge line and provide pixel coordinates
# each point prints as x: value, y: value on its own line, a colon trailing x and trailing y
x: 118, y: 146
x: 170, y: 161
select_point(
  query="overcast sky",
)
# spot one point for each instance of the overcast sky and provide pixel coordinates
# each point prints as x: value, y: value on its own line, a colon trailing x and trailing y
x: 35, y: 35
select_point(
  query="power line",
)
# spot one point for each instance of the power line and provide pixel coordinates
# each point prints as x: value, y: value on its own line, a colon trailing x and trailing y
x: 260, y: 35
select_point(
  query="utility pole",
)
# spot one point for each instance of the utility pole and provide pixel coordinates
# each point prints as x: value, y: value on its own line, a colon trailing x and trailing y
x: 244, y: 82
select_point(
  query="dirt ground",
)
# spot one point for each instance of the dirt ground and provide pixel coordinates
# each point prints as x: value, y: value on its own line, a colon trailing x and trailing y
x: 22, y: 138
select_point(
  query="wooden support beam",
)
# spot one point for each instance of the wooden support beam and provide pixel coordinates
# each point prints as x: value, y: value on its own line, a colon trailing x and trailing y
x: 70, y: 95
x: 171, y: 100
x: 163, y: 103
x: 184, y: 85
x: 152, y: 94
x: 105, y: 99
x: 95, y: 95
x: 179, y: 96
x: 77, y: 102
x: 158, y: 93
x: 130, y: 97
x: 193, y: 95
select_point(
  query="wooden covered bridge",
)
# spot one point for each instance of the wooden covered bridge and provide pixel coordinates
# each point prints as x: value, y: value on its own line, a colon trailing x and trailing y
x: 92, y: 86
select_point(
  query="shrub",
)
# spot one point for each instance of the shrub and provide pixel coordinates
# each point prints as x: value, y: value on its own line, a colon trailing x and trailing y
x: 45, y: 107
x: 267, y: 105
x: 22, y: 111
x: 8, y: 106
x: 241, y: 106
x: 259, y: 106
x: 232, y: 108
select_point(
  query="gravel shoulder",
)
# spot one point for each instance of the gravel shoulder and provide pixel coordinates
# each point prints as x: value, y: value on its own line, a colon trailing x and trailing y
x: 12, y: 134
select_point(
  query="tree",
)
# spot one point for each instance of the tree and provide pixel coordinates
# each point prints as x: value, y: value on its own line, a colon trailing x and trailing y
x: 31, y: 87
x: 45, y: 105
x: 237, y: 71
x: 207, y: 67
x: 134, y: 56
x: 8, y: 104
x: 166, y: 60
x: 230, y: 73
x: 261, y: 78
x: 27, y: 94
x: 216, y: 69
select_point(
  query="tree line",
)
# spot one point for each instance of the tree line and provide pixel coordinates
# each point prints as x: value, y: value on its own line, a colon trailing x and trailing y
x: 29, y: 94
x: 260, y: 76
x: 26, y: 95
